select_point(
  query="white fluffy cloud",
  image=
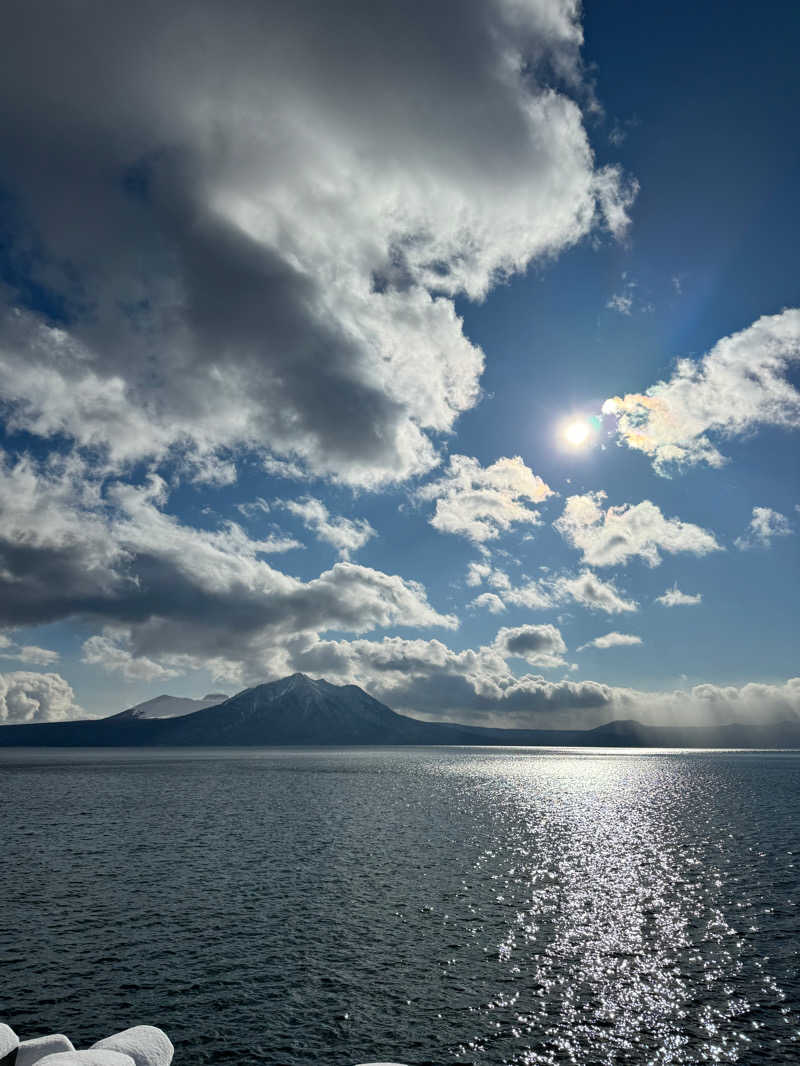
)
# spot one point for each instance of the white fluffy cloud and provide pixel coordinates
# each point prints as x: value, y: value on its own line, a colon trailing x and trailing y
x: 112, y: 653
x: 764, y: 525
x: 346, y: 535
x: 741, y: 384
x: 32, y: 697
x: 588, y: 590
x: 26, y: 653
x: 584, y: 588
x: 612, y: 640
x: 490, y: 601
x: 257, y: 234
x: 480, y: 503
x: 615, y: 535
x: 673, y: 597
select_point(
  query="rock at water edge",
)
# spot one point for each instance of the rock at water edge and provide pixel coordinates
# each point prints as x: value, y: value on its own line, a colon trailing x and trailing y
x: 30, y: 1051
x: 86, y: 1058
x: 146, y: 1045
x: 9, y: 1042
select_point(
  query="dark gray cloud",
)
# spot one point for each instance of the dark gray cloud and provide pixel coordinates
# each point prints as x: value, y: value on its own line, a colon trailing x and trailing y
x: 539, y: 645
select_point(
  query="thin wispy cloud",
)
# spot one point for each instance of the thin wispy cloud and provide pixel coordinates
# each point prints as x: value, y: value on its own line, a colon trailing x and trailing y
x: 765, y: 525
x: 673, y: 597
x: 612, y: 640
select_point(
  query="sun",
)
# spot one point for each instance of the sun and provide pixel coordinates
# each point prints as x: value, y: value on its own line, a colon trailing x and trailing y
x: 576, y: 433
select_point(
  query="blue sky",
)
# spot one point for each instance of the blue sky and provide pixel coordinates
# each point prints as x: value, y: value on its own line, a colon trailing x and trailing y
x: 295, y: 313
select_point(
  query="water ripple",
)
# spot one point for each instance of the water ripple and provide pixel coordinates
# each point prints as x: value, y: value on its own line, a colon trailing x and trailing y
x: 441, y: 906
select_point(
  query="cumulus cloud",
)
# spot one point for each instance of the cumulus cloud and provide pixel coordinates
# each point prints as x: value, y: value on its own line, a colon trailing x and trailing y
x: 112, y: 653
x: 32, y: 697
x: 26, y: 653
x: 251, y: 222
x: 584, y: 588
x: 588, y: 590
x: 673, y: 597
x: 427, y: 679
x: 490, y: 601
x: 615, y: 535
x: 612, y: 640
x: 477, y: 573
x: 480, y: 503
x: 741, y: 384
x: 764, y: 525
x: 71, y: 548
x: 540, y: 645
x: 346, y: 535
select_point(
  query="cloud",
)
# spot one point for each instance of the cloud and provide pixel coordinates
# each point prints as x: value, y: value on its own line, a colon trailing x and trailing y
x: 741, y: 384
x: 477, y: 573
x: 26, y: 653
x: 584, y: 588
x: 254, y: 238
x: 675, y: 598
x: 764, y: 525
x: 112, y: 653
x: 612, y: 640
x: 621, y: 302
x: 480, y: 503
x: 346, y: 535
x: 540, y: 645
x: 111, y: 554
x: 427, y: 679
x: 490, y: 601
x: 32, y: 697
x: 626, y: 300
x: 611, y: 537
x: 588, y: 590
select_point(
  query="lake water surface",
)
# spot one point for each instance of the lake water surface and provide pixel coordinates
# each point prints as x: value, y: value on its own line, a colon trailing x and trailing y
x: 430, y: 906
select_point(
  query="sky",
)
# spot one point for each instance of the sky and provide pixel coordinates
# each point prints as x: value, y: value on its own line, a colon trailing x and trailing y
x: 451, y: 350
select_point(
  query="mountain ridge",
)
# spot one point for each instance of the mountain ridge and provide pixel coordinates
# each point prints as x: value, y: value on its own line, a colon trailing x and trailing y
x: 165, y: 706
x: 298, y: 710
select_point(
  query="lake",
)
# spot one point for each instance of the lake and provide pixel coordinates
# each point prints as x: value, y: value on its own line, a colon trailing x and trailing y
x: 423, y: 905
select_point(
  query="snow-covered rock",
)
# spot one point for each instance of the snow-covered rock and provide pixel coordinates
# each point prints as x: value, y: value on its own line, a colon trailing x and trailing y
x: 86, y: 1058
x: 31, y: 1051
x: 170, y: 707
x: 146, y: 1045
x: 9, y: 1042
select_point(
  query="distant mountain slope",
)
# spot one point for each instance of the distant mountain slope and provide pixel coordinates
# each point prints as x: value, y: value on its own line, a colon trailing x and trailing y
x: 170, y: 706
x: 299, y: 711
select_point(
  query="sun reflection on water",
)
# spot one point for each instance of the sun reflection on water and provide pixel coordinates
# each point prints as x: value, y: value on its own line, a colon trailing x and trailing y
x: 615, y: 946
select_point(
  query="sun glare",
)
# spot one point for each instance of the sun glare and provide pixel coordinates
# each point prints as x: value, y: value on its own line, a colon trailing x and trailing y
x: 576, y: 433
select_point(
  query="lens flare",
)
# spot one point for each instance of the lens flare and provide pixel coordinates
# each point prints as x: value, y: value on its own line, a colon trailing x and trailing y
x: 576, y: 433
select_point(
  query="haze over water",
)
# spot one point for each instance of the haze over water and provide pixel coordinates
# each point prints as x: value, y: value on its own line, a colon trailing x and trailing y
x: 429, y: 906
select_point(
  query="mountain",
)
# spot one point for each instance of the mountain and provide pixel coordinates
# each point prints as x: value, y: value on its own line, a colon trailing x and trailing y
x: 170, y: 706
x: 298, y: 710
